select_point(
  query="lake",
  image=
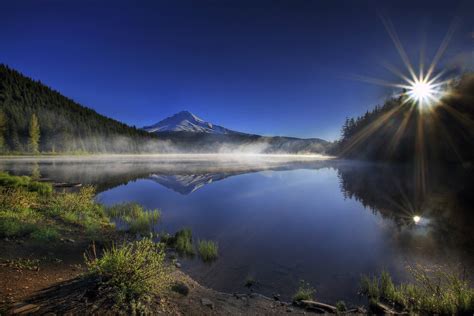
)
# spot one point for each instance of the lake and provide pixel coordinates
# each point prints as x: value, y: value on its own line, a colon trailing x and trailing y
x: 282, y: 219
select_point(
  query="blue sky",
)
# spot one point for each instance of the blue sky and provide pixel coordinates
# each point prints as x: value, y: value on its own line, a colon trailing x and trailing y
x: 265, y: 67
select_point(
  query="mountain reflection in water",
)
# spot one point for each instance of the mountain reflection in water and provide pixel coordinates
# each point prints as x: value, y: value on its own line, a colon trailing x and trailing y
x: 280, y: 220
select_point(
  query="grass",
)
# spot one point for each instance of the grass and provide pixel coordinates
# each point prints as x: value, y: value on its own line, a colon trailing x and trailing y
x: 137, y: 219
x: 433, y: 292
x: 7, y: 180
x: 249, y: 282
x: 341, y: 306
x: 30, y: 209
x: 208, y: 250
x: 45, y: 234
x: 182, y: 241
x: 304, y: 292
x: 131, y: 273
x: 23, y: 264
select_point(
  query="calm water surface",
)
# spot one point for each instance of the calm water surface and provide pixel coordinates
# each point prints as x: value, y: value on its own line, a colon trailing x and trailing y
x: 280, y: 220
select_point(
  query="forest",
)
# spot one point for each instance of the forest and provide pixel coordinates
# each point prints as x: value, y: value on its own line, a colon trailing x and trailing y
x: 35, y: 118
x: 400, y: 130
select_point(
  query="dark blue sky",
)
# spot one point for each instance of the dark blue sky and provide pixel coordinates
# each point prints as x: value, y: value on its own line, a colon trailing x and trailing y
x: 266, y: 67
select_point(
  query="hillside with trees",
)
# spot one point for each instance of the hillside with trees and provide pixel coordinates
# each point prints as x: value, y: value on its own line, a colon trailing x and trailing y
x: 35, y: 118
x: 400, y: 130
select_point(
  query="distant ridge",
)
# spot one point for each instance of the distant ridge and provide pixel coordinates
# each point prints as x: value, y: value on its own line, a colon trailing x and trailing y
x: 190, y: 133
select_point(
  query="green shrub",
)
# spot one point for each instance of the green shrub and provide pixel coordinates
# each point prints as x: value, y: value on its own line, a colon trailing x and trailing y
x: 208, y: 250
x: 45, y: 234
x: 304, y: 292
x: 435, y: 292
x: 132, y: 272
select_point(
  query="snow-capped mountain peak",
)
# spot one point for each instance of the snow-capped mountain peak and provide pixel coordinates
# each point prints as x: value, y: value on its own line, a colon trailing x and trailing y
x: 186, y: 121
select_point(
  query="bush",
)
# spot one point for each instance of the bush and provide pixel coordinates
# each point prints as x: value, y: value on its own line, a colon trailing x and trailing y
x: 131, y: 273
x: 208, y: 250
x: 45, y: 234
x: 304, y: 292
x: 436, y: 292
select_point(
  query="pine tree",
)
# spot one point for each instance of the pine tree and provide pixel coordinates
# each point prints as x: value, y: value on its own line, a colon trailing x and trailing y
x: 3, y: 129
x: 34, y: 133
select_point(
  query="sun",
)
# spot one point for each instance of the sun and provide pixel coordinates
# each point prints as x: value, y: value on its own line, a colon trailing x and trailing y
x: 423, y: 92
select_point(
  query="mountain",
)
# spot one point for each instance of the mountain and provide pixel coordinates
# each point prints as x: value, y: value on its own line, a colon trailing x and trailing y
x: 65, y: 125
x: 185, y: 121
x: 186, y: 132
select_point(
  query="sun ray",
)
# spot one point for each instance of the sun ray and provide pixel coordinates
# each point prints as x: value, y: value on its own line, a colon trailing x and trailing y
x: 369, y: 130
x: 442, y: 47
x: 398, y: 45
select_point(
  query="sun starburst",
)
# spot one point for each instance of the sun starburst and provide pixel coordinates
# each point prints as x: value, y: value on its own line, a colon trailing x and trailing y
x: 424, y: 92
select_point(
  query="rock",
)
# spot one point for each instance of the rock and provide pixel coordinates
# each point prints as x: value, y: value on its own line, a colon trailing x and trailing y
x: 26, y: 309
x: 207, y: 302
x: 289, y: 310
x: 70, y: 240
x: 240, y: 296
x: 181, y: 288
x: 276, y: 296
x: 254, y: 295
x: 316, y: 306
x: 177, y: 265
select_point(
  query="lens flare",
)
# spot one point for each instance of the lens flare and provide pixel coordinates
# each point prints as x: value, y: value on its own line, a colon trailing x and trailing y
x: 416, y: 219
x: 424, y: 92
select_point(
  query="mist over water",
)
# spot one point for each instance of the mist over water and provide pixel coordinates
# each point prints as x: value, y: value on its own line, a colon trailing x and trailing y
x: 283, y: 218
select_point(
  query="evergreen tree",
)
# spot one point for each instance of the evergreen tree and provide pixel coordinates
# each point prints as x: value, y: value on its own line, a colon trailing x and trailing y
x: 34, y: 135
x: 3, y: 129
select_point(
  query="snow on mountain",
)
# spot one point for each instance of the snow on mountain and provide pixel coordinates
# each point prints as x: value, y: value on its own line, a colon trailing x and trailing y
x: 186, y: 121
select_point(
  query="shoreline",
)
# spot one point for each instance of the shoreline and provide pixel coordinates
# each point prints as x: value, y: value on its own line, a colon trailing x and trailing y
x: 54, y: 274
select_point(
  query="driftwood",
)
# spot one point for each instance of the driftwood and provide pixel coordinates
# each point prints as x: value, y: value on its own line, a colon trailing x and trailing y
x: 67, y: 185
x: 317, y: 306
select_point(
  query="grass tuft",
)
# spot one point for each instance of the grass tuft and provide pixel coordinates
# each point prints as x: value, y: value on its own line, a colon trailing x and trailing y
x: 208, y: 250
x: 182, y: 241
x: 434, y: 292
x: 45, y: 234
x: 137, y: 219
x: 304, y: 292
x: 341, y: 306
x: 132, y: 272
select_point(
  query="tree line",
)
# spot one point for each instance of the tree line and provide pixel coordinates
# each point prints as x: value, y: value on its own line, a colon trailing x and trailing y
x: 35, y: 118
x: 400, y: 130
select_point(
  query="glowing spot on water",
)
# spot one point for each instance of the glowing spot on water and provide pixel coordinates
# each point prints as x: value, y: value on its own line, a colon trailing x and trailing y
x: 416, y: 219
